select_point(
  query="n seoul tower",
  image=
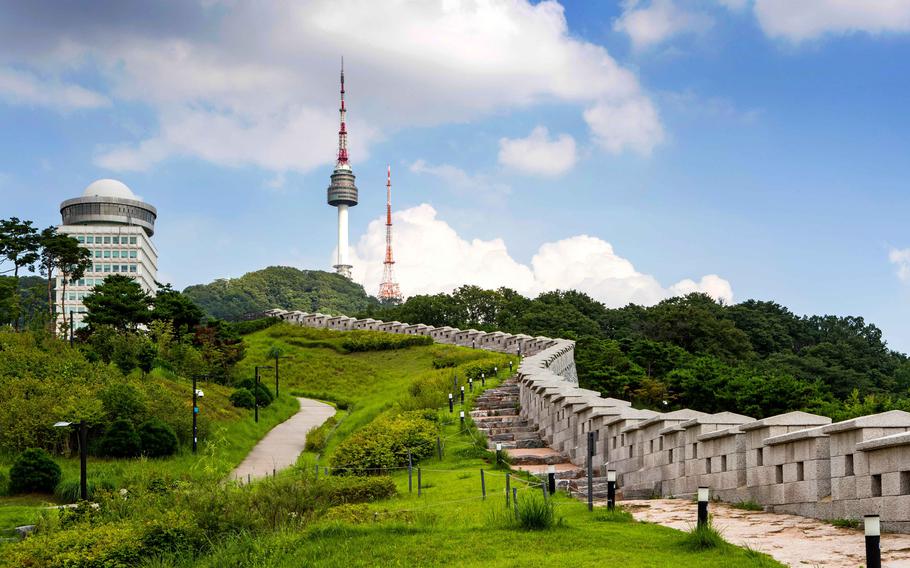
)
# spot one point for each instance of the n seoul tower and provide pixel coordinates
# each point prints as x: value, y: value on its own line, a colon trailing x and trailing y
x: 342, y: 192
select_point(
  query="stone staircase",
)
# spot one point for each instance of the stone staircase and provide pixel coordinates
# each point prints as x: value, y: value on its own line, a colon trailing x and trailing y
x: 496, y: 416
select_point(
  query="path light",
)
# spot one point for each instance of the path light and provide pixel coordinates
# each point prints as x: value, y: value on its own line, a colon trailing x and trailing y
x: 873, y: 528
x: 611, y: 489
x: 551, y: 478
x: 703, y: 495
x: 461, y: 415
x: 83, y: 455
x: 498, y: 451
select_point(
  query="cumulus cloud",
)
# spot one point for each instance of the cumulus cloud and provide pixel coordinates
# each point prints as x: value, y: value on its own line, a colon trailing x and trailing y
x: 654, y: 23
x: 20, y: 87
x: 631, y: 124
x: 431, y: 257
x: 812, y: 19
x: 538, y: 153
x: 235, y: 94
x: 478, y: 186
x: 901, y: 259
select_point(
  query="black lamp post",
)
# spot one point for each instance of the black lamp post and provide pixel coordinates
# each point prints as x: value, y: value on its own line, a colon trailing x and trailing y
x: 196, y: 394
x: 277, y: 357
x: 256, y: 389
x: 83, y: 455
x: 71, y: 328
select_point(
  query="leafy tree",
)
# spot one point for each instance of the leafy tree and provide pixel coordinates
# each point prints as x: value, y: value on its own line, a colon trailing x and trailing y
x: 221, y: 348
x: 123, y: 402
x: 119, y: 302
x: 172, y: 306
x: 157, y: 438
x: 19, y: 244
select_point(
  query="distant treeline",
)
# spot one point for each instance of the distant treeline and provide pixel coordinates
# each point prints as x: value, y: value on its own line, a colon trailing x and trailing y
x: 755, y: 357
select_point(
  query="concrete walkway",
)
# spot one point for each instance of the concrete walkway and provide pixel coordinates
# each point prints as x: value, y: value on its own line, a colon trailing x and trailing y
x: 281, y: 446
x: 790, y: 539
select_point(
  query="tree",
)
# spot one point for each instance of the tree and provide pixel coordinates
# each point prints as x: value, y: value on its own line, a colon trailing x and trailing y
x: 119, y: 302
x: 61, y: 253
x: 170, y: 305
x: 19, y: 244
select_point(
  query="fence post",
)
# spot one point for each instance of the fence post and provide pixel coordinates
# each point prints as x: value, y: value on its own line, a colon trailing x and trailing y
x: 483, y: 486
x: 508, y: 478
x: 419, y: 483
x: 515, y: 500
x: 410, y: 473
x: 590, y: 471
x: 439, y: 448
x: 703, y: 495
x: 873, y: 541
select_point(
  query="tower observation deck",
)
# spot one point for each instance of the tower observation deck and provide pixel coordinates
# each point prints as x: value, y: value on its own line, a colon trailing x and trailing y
x: 342, y: 192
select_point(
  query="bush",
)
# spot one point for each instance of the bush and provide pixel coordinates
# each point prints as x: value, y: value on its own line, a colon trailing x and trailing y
x: 317, y: 437
x: 123, y: 401
x: 703, y: 537
x: 385, y: 443
x: 34, y: 470
x: 121, y: 440
x: 355, y: 489
x: 4, y: 483
x: 262, y: 392
x: 535, y: 513
x: 243, y: 398
x: 157, y: 439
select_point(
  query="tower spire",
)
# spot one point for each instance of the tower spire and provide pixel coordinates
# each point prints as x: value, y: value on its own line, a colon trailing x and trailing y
x: 342, y: 130
x: 388, y: 288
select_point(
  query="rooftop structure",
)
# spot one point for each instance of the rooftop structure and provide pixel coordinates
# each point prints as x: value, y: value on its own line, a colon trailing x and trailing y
x: 342, y: 193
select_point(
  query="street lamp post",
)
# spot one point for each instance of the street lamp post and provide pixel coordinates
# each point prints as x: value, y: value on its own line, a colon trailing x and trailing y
x: 196, y: 395
x: 277, y: 357
x: 83, y: 455
x: 71, y: 328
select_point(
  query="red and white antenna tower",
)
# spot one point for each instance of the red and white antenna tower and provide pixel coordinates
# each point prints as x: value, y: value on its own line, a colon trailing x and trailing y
x: 388, y: 289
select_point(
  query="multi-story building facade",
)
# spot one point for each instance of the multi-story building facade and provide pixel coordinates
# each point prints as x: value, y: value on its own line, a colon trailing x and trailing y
x: 117, y: 227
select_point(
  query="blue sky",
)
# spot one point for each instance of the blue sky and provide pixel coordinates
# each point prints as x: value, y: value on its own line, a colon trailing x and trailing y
x: 746, y: 148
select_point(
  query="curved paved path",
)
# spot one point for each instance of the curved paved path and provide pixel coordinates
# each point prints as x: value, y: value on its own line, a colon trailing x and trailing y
x: 281, y: 446
x: 792, y: 540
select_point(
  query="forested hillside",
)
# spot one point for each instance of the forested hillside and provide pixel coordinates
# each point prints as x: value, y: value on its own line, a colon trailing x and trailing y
x: 756, y: 357
x: 280, y: 287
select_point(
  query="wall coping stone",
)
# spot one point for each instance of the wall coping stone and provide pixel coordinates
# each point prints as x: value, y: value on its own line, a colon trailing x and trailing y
x: 795, y: 418
x: 890, y: 419
x: 680, y: 415
x: 723, y: 432
x: 817, y: 432
x: 900, y: 439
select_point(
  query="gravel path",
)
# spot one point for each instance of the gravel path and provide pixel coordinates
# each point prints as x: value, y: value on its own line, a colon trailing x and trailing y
x: 792, y: 540
x: 281, y: 446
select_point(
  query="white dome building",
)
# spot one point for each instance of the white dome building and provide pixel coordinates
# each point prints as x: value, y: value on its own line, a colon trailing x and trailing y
x: 117, y: 227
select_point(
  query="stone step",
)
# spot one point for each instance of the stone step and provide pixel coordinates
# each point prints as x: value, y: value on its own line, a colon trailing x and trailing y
x: 510, y: 411
x: 516, y: 429
x: 535, y: 456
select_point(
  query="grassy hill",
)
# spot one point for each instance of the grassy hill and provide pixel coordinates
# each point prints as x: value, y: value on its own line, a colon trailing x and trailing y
x: 280, y: 287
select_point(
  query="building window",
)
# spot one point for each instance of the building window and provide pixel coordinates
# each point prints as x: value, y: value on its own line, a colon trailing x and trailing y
x: 90, y: 240
x: 81, y: 282
x: 115, y: 240
x: 97, y: 254
x: 107, y: 254
x: 877, y: 485
x: 124, y: 268
x: 72, y: 296
x: 132, y: 254
x: 132, y: 268
x: 132, y: 240
x: 107, y: 240
x: 848, y: 464
x: 81, y: 239
x: 116, y: 268
x: 98, y: 268
x: 115, y: 253
x: 107, y: 267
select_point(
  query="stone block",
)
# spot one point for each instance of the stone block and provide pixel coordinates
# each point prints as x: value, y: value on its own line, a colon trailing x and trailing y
x: 843, y: 488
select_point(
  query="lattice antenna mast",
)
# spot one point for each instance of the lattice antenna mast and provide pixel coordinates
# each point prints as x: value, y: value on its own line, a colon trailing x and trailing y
x: 388, y: 289
x: 342, y: 130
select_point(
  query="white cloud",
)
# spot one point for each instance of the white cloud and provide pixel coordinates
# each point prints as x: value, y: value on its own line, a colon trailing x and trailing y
x: 811, y: 19
x: 266, y: 95
x: 479, y: 186
x: 901, y: 259
x: 659, y: 21
x: 631, y: 124
x: 431, y: 257
x: 538, y: 154
x: 20, y: 87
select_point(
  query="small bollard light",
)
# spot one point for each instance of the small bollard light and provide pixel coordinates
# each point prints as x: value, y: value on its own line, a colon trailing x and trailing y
x: 703, y: 496
x: 510, y: 367
x: 495, y: 371
x: 611, y: 489
x: 471, y: 383
x: 551, y: 478
x: 498, y: 452
x: 873, y: 531
x: 483, y: 379
x: 462, y: 395
x: 461, y: 415
x: 451, y: 404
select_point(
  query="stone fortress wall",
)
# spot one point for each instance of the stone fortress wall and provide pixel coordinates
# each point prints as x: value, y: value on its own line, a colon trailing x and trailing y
x: 797, y: 462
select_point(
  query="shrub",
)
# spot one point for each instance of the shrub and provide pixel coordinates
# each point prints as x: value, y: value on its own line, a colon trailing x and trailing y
x: 354, y: 489
x: 385, y: 443
x: 317, y: 437
x: 121, y: 440
x: 243, y: 398
x: 34, y: 470
x: 113, y: 545
x: 4, y: 483
x: 123, y: 401
x: 262, y: 392
x: 535, y: 513
x: 157, y: 439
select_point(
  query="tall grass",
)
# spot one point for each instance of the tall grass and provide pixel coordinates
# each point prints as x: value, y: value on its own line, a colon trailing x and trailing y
x: 704, y: 537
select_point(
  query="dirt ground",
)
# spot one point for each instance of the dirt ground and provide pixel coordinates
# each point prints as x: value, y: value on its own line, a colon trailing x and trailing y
x: 793, y: 540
